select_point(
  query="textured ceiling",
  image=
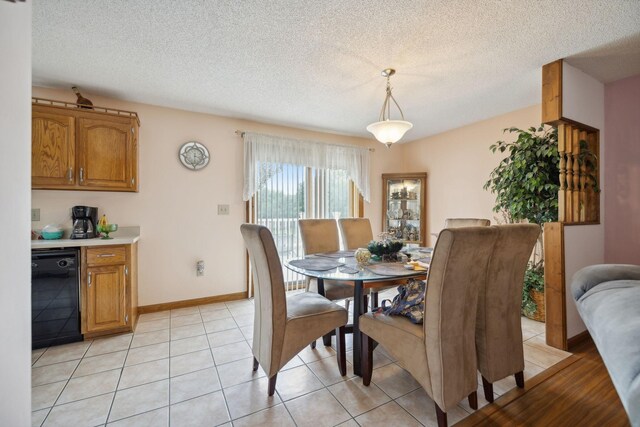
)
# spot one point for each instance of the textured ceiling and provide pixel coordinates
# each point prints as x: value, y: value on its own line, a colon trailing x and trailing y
x: 316, y: 64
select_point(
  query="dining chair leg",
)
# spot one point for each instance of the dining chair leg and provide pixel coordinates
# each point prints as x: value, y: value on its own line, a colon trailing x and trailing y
x: 473, y: 400
x: 341, y: 351
x: 326, y: 340
x: 272, y: 384
x: 488, y: 389
x: 519, y: 379
x: 442, y: 417
x: 367, y: 359
x: 313, y: 345
x: 255, y: 364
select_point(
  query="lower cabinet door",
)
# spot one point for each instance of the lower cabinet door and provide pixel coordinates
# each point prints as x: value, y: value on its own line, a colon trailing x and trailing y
x: 105, y: 298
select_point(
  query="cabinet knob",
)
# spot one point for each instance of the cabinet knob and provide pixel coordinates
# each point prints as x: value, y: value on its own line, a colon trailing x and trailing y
x: 106, y: 255
x: 70, y: 174
x: 81, y: 174
x: 89, y: 280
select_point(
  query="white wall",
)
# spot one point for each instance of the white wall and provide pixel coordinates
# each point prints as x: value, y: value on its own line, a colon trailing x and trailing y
x: 15, y: 181
x: 583, y: 101
x: 177, y: 208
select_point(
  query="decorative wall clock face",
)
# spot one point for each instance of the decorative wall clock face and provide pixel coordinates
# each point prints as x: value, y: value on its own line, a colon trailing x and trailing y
x: 194, y: 155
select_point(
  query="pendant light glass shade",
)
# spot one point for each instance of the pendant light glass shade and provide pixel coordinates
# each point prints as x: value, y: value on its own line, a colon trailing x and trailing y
x: 386, y: 130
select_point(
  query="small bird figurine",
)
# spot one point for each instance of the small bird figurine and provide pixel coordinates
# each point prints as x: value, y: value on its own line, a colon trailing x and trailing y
x: 82, y: 101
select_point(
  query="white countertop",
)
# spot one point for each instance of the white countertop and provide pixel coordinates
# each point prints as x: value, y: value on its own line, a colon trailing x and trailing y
x: 124, y: 236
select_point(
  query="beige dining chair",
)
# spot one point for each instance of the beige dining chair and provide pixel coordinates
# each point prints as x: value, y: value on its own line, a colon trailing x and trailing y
x: 284, y: 325
x: 466, y: 222
x: 441, y: 353
x: 498, y: 321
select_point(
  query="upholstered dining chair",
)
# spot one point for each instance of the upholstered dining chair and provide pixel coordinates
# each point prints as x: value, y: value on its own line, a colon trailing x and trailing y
x: 284, y: 325
x: 441, y: 353
x: 356, y: 232
x: 466, y: 222
x: 498, y: 321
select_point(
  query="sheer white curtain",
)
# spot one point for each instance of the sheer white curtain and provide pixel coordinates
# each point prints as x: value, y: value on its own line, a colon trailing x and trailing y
x: 260, y: 148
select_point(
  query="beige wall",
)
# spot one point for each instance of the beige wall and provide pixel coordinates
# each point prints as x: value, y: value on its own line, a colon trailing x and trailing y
x: 15, y: 272
x: 458, y: 163
x: 177, y: 208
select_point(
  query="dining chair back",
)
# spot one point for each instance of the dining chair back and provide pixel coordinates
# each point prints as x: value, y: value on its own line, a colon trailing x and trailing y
x: 498, y: 323
x: 466, y: 222
x: 319, y: 235
x: 441, y: 353
x: 356, y: 232
x: 285, y: 325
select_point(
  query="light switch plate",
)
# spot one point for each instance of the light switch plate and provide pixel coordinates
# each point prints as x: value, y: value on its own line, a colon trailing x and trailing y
x: 35, y: 214
x: 223, y: 209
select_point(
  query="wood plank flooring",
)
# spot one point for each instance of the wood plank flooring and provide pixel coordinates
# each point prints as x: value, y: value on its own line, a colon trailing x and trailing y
x: 575, y: 392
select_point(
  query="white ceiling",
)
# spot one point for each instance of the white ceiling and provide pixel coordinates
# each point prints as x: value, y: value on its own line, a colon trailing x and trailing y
x: 316, y: 63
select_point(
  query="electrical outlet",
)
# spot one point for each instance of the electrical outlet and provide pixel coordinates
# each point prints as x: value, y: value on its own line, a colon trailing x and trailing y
x: 223, y: 209
x: 35, y: 214
x: 200, y: 268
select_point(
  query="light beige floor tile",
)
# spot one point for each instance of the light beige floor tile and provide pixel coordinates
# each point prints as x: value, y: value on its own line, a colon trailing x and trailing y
x: 240, y: 303
x: 231, y: 352
x: 104, y: 362
x: 241, y: 309
x: 418, y: 404
x: 238, y: 372
x: 136, y: 400
x: 508, y: 383
x: 394, y: 380
x: 63, y: 353
x: 156, y: 418
x: 319, y: 408
x: 349, y: 423
x: 247, y: 398
x: 89, y: 386
x: 220, y: 325
x: 293, y: 363
x: 144, y: 373
x: 149, y: 338
x: 35, y: 354
x: 195, y: 384
x: 539, y: 342
x: 244, y: 319
x: 388, y: 414
x: 189, y: 345
x: 158, y: 315
x: 184, y: 311
x: 379, y: 359
x: 187, y: 331
x: 212, y: 307
x: 44, y: 396
x: 296, y: 382
x: 208, y: 316
x: 309, y: 355
x: 327, y: 371
x: 532, y: 325
x: 37, y: 417
x: 147, y: 353
x: 527, y: 334
x: 53, y: 373
x: 482, y: 402
x: 109, y: 345
x: 247, y: 331
x: 190, y: 362
x: 540, y: 357
x: 230, y: 336
x: 153, y: 325
x: 86, y: 412
x: 276, y: 416
x: 189, y: 319
x: 203, y: 411
x: 357, y: 398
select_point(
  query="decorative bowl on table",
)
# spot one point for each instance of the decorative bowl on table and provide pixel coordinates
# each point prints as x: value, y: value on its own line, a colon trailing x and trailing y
x: 384, y: 248
x: 51, y: 232
x: 362, y: 256
x: 106, y: 229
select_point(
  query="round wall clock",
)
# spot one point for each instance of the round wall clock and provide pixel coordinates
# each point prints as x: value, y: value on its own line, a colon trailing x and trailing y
x: 193, y: 155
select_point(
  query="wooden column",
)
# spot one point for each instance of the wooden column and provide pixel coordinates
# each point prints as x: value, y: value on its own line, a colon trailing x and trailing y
x: 555, y: 288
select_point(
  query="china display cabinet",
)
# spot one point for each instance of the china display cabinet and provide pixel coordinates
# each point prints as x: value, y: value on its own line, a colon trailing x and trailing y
x: 404, y: 206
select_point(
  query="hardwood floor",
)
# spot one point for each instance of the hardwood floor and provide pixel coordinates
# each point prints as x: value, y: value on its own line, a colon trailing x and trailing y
x: 575, y: 392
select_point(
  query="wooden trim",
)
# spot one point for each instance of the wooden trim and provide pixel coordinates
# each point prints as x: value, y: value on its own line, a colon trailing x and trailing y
x: 84, y: 108
x: 552, y: 92
x: 579, y: 339
x: 191, y: 302
x: 555, y: 288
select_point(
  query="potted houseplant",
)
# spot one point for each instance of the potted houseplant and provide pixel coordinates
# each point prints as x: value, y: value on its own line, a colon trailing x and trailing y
x: 526, y: 184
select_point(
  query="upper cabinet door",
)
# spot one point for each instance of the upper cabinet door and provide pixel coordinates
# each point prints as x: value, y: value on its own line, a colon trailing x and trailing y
x: 107, y: 155
x: 52, y: 150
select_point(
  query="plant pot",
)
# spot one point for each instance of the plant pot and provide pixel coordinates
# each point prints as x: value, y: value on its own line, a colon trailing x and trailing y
x: 539, y: 314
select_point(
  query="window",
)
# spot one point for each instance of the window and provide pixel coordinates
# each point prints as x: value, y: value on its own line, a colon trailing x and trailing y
x: 286, y: 193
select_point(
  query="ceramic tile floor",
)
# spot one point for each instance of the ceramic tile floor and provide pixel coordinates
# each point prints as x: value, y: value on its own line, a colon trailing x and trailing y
x: 192, y: 367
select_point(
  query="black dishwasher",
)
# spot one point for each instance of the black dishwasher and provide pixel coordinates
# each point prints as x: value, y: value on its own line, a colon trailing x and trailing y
x: 55, y: 313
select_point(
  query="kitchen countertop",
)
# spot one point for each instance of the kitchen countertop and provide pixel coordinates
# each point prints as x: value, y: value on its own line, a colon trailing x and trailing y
x: 124, y: 236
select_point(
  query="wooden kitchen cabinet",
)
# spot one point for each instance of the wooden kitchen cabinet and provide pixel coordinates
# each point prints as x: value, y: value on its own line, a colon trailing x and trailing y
x: 108, y: 290
x: 83, y: 149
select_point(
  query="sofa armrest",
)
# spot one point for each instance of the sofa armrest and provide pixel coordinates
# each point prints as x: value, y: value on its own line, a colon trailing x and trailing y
x: 585, y: 279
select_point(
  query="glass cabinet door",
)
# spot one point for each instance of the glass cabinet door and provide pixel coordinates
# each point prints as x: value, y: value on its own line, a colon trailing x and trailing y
x: 404, y: 206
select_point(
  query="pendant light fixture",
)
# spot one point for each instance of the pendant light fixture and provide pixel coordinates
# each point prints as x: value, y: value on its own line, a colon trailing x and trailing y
x: 386, y: 130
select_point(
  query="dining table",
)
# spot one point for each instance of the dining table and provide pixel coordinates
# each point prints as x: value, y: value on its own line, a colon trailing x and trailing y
x: 342, y: 267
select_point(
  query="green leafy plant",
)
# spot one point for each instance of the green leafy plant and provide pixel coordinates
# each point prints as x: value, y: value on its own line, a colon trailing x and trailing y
x: 533, y: 280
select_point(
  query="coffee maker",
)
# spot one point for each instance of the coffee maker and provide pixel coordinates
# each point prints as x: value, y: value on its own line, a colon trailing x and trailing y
x: 85, y: 219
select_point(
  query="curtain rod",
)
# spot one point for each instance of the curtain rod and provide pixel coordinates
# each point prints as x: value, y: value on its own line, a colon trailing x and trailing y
x: 240, y: 133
